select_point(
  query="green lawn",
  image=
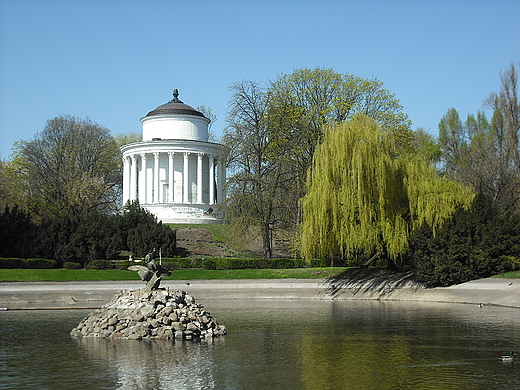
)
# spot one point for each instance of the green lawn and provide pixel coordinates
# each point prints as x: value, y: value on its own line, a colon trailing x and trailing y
x: 63, y: 275
x: 508, y: 275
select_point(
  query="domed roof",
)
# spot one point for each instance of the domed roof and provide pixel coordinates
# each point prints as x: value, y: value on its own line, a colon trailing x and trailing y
x: 175, y: 107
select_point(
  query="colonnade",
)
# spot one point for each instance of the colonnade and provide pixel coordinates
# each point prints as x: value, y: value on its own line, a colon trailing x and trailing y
x: 172, y: 176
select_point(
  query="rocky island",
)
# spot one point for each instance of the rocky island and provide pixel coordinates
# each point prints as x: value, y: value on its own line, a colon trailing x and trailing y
x: 156, y: 314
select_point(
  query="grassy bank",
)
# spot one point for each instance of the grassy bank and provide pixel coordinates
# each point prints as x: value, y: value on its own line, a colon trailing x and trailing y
x: 508, y: 275
x: 65, y: 275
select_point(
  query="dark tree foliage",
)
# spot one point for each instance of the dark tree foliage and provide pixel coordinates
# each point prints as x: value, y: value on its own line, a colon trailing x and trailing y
x: 16, y: 233
x: 474, y: 244
x: 140, y: 232
x: 84, y: 237
x: 79, y: 238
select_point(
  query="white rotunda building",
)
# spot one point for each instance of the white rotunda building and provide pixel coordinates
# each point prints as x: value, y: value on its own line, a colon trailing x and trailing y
x: 174, y: 172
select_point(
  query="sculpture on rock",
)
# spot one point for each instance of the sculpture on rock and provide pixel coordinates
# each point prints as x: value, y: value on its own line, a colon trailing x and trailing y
x: 152, y: 274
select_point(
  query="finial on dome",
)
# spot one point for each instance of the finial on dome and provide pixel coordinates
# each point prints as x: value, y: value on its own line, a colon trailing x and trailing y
x: 176, y: 96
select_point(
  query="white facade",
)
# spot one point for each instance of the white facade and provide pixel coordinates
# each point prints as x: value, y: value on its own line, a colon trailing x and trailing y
x: 174, y: 172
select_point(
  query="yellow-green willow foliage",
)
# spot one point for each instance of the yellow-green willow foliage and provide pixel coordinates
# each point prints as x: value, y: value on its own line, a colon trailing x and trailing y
x: 363, y: 196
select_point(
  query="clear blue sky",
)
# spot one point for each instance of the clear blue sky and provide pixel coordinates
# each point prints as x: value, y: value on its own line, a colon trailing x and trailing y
x: 115, y: 60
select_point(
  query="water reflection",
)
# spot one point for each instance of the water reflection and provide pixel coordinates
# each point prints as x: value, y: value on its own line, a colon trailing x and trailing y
x: 281, y: 344
x: 157, y: 364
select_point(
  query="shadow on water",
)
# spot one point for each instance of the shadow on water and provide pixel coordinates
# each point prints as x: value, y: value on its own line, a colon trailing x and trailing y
x: 374, y: 282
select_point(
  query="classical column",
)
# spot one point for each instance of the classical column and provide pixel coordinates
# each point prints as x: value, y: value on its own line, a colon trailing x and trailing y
x: 185, y: 178
x: 221, y: 182
x: 199, y: 177
x: 133, y: 178
x: 211, y: 179
x: 143, y: 187
x: 126, y: 179
x: 156, y: 178
x: 170, y: 176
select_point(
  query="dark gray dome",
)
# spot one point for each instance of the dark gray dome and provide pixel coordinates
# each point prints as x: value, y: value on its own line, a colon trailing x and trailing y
x: 175, y: 107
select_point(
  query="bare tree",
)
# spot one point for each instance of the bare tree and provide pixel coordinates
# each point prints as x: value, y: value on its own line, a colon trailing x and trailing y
x: 73, y: 165
x: 253, y: 184
x: 486, y: 154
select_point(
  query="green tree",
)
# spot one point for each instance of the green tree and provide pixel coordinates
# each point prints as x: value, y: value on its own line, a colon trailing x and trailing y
x: 474, y: 243
x: 274, y: 129
x: 365, y: 196
x: 127, y: 138
x: 17, y: 233
x: 11, y: 187
x: 426, y: 145
x: 73, y: 165
x: 301, y: 103
x: 140, y: 232
x: 485, y: 154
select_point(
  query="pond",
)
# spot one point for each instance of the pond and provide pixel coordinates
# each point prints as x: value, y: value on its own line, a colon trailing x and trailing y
x: 275, y: 344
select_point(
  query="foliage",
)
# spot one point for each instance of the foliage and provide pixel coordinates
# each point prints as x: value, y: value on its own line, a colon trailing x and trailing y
x: 100, y: 265
x: 83, y: 237
x: 72, y: 165
x: 232, y: 263
x: 122, y: 264
x: 17, y: 232
x: 302, y: 103
x: 483, y: 153
x: 254, y: 181
x: 365, y: 196
x: 127, y: 138
x: 71, y: 265
x: 40, y: 264
x: 78, y: 238
x: 273, y: 131
x: 425, y: 145
x: 140, y: 232
x: 11, y: 263
x: 11, y: 188
x: 239, y: 263
x: 474, y: 243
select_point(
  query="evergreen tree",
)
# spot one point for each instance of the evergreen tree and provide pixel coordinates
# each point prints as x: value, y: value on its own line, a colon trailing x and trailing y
x: 474, y: 243
x: 17, y: 232
x: 140, y: 232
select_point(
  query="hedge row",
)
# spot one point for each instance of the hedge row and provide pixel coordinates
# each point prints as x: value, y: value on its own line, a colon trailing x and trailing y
x: 214, y: 263
x: 14, y: 262
x: 232, y: 263
x: 170, y: 263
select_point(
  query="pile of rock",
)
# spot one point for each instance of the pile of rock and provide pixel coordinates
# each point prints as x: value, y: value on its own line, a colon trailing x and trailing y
x: 157, y: 314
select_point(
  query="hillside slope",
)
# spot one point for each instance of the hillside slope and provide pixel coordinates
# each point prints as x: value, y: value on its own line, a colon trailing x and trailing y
x: 220, y: 241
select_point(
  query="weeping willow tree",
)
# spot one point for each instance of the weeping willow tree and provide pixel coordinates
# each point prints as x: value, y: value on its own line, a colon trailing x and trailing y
x: 364, y: 196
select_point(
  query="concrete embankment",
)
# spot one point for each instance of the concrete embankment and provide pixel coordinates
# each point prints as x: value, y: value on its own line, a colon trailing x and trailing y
x: 69, y: 295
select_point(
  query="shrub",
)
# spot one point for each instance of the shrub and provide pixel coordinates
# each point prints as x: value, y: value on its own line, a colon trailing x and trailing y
x: 182, y: 263
x: 100, y: 264
x: 122, y: 264
x: 318, y: 263
x: 11, y: 263
x: 71, y: 265
x: 233, y: 263
x: 209, y: 264
x: 40, y: 263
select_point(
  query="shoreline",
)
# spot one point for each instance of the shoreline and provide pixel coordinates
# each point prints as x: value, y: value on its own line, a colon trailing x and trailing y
x: 94, y: 294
